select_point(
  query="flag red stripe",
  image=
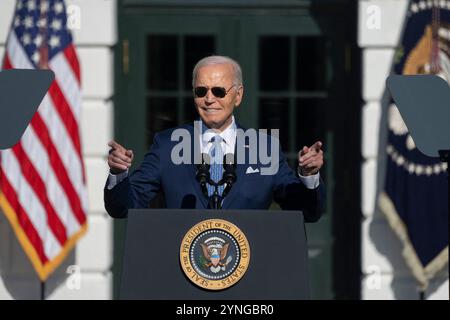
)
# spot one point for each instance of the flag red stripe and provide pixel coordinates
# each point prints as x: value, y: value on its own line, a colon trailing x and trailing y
x: 71, y: 57
x: 35, y: 181
x: 22, y: 217
x: 67, y: 117
x: 64, y: 112
x: 7, y: 63
x: 58, y: 167
x: 56, y: 162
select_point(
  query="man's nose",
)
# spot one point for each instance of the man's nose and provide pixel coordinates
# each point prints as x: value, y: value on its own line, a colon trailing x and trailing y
x: 209, y: 98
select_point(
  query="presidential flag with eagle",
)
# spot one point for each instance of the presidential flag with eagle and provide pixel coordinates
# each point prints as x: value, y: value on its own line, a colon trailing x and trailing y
x: 415, y: 196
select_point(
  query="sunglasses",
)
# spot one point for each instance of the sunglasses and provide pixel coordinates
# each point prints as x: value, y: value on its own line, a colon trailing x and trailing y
x: 218, y: 92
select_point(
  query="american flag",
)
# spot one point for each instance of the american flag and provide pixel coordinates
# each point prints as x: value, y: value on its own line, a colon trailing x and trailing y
x: 42, y: 178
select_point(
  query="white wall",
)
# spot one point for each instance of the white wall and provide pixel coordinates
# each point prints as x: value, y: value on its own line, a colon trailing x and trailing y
x: 386, y: 275
x: 93, y: 254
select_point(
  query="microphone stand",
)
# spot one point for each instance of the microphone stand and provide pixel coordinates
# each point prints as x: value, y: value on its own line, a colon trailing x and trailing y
x: 215, y: 201
x: 228, y: 178
x: 203, y: 175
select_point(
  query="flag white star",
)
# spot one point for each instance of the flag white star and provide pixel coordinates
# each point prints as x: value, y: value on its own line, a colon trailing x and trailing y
x: 17, y: 22
x: 410, y: 143
x: 42, y: 23
x: 389, y: 149
x: 58, y: 7
x: 54, y: 41
x: 19, y: 5
x: 44, y: 6
x: 400, y: 160
x: 442, y: 4
x: 437, y: 168
x: 31, y: 5
x: 422, y: 5
x: 443, y: 33
x: 35, y: 57
x: 26, y: 39
x: 414, y: 7
x: 28, y: 22
x: 38, y: 40
x: 56, y: 24
x: 419, y: 169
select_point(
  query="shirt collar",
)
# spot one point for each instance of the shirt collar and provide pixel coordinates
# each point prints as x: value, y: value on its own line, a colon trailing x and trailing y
x: 228, y: 135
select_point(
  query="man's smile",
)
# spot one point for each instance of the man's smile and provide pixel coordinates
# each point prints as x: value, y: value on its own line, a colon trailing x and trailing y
x: 210, y: 110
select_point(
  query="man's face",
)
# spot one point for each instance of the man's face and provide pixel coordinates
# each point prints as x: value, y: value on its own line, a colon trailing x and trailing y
x: 216, y: 112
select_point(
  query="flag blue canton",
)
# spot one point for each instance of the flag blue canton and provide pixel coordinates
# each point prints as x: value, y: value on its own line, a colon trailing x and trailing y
x: 41, y: 24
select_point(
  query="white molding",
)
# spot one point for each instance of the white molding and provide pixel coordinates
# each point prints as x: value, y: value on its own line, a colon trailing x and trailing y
x: 96, y: 127
x: 6, y: 16
x: 96, y: 172
x: 371, y: 115
x: 376, y: 68
x: 368, y: 190
x: 97, y: 72
x: 97, y: 16
x: 387, y: 32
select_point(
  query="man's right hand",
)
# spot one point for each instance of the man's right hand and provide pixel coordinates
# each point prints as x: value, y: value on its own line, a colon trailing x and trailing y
x: 119, y: 159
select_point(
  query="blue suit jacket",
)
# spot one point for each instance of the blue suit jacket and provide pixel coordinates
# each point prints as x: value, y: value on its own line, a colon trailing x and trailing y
x: 181, y: 189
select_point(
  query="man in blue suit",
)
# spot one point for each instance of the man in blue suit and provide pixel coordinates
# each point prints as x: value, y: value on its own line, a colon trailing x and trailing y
x: 218, y: 89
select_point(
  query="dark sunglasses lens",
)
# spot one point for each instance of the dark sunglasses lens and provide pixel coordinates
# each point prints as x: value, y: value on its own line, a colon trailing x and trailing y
x: 200, y: 91
x: 218, y: 92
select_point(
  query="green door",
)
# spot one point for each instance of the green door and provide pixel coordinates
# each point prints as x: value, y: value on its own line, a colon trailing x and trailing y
x: 284, y: 92
x: 290, y: 66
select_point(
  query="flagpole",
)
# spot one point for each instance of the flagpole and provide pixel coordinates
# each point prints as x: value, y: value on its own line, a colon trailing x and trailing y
x: 422, y: 295
x: 42, y: 290
x: 444, y: 155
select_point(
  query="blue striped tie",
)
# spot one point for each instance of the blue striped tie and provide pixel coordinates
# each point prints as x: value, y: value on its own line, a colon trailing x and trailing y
x: 216, y: 169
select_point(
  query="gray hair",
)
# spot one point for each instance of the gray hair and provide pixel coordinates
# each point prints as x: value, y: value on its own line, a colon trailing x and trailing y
x: 214, y: 60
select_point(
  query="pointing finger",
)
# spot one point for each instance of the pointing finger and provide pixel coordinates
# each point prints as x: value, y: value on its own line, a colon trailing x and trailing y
x: 113, y: 144
x: 317, y: 146
x: 302, y: 152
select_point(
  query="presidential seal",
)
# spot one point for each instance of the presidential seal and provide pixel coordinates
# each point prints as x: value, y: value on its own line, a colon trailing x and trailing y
x: 214, y: 254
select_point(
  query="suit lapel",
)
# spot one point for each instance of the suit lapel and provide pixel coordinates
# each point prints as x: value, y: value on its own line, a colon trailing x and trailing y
x: 192, y: 174
x: 192, y: 169
x: 240, y: 175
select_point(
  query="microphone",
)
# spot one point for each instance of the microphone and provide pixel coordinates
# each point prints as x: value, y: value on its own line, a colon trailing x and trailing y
x: 203, y: 175
x: 229, y: 174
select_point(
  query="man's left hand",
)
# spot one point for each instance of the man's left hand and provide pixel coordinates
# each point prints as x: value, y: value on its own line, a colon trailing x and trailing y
x: 310, y: 160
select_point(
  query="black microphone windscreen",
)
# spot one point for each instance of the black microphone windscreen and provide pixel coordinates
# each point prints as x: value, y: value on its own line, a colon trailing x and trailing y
x: 228, y: 159
x: 206, y: 159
